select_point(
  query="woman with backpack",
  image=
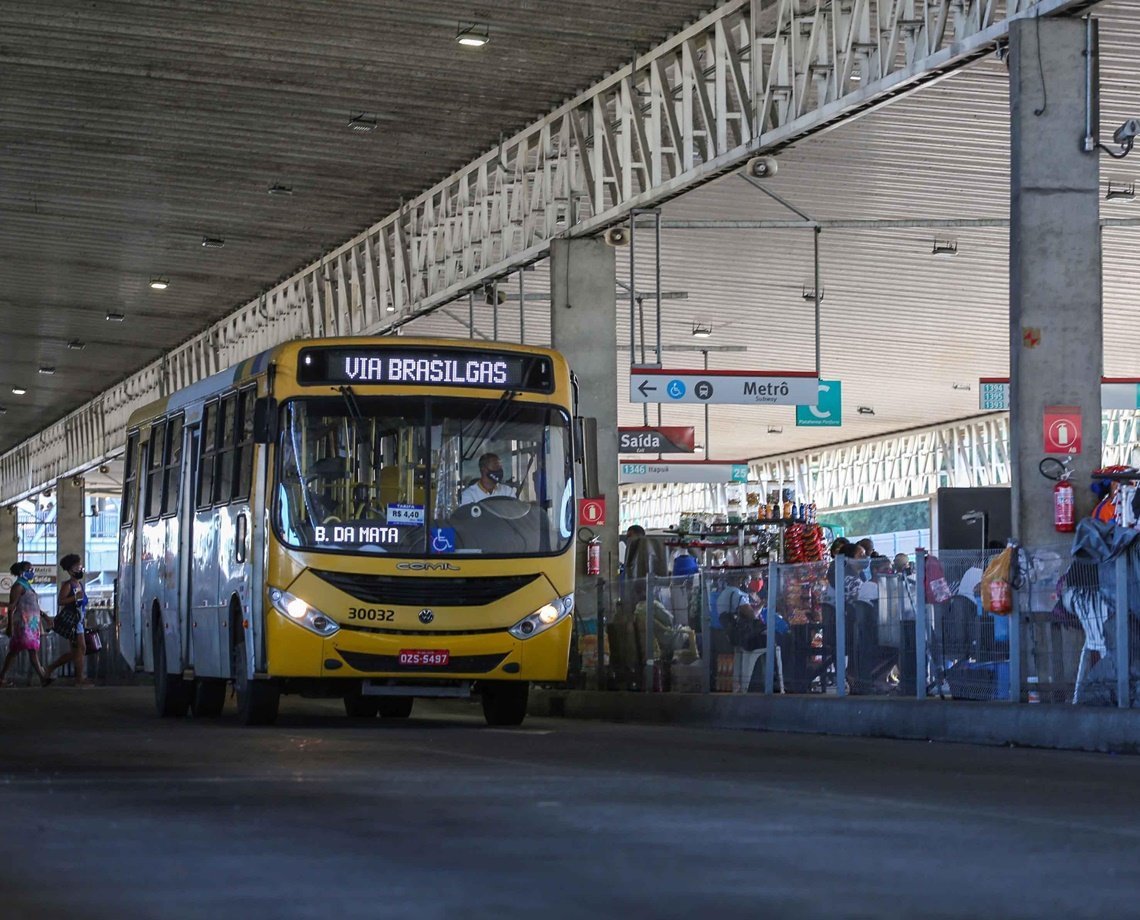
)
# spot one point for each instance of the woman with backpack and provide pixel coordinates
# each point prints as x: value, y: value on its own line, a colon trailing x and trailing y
x: 24, y: 623
x: 69, y: 620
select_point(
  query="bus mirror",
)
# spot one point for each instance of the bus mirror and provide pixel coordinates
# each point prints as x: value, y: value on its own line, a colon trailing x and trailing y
x: 586, y: 450
x: 265, y: 420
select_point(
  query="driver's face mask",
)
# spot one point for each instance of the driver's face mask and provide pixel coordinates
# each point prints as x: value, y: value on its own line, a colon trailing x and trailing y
x: 495, y: 475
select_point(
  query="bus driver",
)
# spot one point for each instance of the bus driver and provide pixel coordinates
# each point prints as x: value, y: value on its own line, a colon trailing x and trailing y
x: 489, y: 484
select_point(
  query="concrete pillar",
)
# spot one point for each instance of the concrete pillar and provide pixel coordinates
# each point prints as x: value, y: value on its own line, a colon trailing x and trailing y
x: 1056, y: 319
x: 70, y: 518
x: 9, y: 541
x: 583, y: 326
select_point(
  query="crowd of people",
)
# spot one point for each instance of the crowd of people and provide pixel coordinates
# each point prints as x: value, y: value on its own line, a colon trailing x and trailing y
x: 27, y: 624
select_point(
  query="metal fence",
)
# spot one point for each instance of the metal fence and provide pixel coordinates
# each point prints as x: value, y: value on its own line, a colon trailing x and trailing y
x: 105, y: 666
x: 879, y: 632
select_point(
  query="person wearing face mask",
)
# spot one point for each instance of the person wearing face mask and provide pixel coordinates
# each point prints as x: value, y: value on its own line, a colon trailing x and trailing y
x: 24, y: 623
x: 73, y: 595
x: 489, y: 484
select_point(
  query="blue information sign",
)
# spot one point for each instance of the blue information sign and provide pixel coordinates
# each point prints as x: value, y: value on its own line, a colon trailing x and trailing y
x: 828, y: 412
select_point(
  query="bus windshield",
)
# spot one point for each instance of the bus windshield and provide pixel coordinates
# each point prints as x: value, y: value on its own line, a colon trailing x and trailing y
x: 424, y: 477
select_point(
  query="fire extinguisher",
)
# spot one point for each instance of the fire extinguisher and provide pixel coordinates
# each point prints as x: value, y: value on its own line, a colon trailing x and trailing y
x: 1063, y: 517
x: 594, y: 557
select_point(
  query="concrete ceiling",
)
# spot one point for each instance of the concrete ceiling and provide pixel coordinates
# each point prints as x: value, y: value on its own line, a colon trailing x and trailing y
x: 131, y: 130
x: 139, y: 129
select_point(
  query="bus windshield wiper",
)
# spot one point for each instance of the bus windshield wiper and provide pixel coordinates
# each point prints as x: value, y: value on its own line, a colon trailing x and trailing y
x: 486, y: 420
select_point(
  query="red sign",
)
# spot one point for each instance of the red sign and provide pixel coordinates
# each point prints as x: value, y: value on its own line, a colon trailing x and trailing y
x: 591, y: 512
x: 1062, y: 430
x: 661, y: 440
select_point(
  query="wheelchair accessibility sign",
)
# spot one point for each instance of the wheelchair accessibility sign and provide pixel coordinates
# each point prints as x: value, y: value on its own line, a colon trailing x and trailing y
x: 443, y: 539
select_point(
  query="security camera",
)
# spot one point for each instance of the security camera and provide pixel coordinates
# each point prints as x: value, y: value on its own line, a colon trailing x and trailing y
x: 617, y: 236
x: 761, y: 167
x: 1127, y: 132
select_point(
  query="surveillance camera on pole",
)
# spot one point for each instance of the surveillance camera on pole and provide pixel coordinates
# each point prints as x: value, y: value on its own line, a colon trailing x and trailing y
x: 761, y: 167
x: 617, y: 236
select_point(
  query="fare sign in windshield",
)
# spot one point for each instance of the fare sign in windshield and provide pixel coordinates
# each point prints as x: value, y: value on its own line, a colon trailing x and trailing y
x: 371, y: 365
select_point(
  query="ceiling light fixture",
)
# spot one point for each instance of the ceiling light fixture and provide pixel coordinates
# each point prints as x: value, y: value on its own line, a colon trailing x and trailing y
x: 1120, y: 192
x: 76, y: 345
x: 3, y: 410
x: 363, y: 122
x: 18, y: 391
x: 277, y: 189
x: 809, y: 292
x: 159, y: 284
x: 473, y: 34
x: 963, y: 386
x: 701, y: 331
x: 47, y: 371
x: 865, y: 410
x: 212, y: 242
x: 775, y: 429
x: 115, y: 317
x: 945, y: 248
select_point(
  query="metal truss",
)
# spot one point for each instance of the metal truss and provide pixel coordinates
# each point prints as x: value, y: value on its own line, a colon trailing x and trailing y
x: 906, y: 467
x: 751, y: 77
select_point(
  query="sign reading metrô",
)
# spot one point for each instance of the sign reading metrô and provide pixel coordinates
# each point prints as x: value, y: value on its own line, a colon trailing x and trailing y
x: 660, y: 440
x: 368, y: 365
x: 768, y: 388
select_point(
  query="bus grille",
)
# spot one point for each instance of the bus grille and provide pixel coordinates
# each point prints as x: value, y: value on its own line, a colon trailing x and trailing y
x: 426, y: 592
x: 460, y: 664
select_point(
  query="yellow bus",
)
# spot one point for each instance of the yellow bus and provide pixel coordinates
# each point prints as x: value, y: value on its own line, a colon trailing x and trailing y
x: 376, y: 519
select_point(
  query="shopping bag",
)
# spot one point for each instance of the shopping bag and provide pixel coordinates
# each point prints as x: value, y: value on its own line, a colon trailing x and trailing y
x: 997, y: 593
x: 937, y: 588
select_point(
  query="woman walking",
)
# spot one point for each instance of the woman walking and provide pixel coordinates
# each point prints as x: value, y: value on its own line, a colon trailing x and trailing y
x: 69, y: 620
x: 24, y: 623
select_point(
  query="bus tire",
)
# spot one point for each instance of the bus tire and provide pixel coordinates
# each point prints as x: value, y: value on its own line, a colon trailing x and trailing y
x: 257, y: 700
x: 361, y: 707
x: 396, y: 707
x: 504, y: 702
x: 209, y: 697
x: 171, y: 692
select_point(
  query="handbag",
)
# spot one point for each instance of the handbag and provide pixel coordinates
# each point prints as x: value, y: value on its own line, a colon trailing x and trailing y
x: 93, y: 642
x: 67, y: 622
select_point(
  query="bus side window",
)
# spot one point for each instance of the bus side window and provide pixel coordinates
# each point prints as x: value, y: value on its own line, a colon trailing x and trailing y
x: 244, y: 468
x: 224, y: 473
x: 206, y: 462
x: 130, y: 478
x: 154, y: 470
x: 172, y: 475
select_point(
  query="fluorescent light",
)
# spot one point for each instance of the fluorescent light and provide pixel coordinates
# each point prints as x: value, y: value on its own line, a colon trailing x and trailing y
x: 212, y: 242
x: 945, y: 248
x: 47, y: 371
x: 18, y: 391
x: 276, y: 189
x: 362, y: 123
x: 473, y: 34
x: 865, y: 410
x: 1121, y: 192
x: 701, y: 331
x: 115, y: 317
x: 3, y: 410
x: 76, y: 345
x: 159, y: 284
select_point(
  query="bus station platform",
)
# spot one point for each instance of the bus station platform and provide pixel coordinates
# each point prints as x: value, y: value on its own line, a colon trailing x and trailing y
x: 1060, y: 727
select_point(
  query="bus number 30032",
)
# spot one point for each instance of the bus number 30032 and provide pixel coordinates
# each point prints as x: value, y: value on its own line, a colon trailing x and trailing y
x: 371, y: 613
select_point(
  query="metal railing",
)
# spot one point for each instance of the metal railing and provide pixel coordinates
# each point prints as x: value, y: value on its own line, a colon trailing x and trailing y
x: 710, y: 632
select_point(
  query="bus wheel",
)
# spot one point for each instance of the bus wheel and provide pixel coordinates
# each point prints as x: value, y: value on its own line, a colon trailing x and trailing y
x: 257, y: 700
x: 171, y: 692
x: 504, y: 702
x: 209, y: 696
x: 361, y: 707
x: 396, y: 707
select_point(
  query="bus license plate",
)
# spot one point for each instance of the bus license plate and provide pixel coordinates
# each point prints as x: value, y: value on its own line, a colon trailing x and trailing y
x: 425, y: 657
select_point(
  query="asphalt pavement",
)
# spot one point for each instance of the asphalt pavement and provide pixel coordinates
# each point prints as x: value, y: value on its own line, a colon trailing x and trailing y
x: 108, y: 811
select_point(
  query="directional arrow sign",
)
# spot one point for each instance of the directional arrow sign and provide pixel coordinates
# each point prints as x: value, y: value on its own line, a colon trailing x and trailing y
x: 765, y: 388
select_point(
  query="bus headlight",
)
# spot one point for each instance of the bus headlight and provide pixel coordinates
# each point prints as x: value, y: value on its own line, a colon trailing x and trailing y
x: 543, y: 618
x: 295, y: 609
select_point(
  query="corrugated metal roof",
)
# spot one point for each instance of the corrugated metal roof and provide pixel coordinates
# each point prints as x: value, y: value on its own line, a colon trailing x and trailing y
x: 132, y: 131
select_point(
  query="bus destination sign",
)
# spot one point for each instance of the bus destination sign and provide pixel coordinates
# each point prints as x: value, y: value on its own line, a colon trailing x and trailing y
x: 410, y: 366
